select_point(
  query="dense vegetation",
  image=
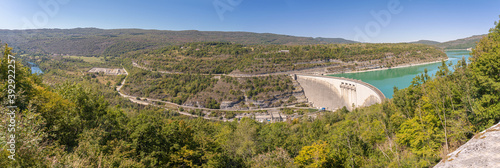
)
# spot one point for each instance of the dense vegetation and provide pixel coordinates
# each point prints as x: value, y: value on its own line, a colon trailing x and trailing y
x: 224, y: 58
x: 72, y: 125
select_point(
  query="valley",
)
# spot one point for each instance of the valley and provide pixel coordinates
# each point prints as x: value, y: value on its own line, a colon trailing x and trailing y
x: 249, y: 84
x: 272, y: 94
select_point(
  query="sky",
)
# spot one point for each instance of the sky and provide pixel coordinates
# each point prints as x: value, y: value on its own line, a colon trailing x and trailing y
x: 376, y: 21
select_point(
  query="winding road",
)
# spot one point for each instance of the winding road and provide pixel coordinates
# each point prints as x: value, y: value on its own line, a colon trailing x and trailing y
x: 149, y: 101
x: 135, y: 100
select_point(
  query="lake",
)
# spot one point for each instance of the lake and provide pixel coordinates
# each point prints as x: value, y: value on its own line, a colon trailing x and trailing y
x: 35, y: 68
x: 385, y: 80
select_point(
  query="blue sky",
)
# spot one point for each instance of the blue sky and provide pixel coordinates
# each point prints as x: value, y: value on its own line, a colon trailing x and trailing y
x: 406, y: 20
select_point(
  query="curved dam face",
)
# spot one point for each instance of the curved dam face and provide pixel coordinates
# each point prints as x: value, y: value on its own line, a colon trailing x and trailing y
x: 333, y: 93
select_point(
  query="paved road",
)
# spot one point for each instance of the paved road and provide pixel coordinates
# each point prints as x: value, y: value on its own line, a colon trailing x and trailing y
x: 135, y: 100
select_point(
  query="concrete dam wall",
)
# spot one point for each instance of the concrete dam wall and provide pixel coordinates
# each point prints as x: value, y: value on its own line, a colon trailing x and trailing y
x: 333, y: 93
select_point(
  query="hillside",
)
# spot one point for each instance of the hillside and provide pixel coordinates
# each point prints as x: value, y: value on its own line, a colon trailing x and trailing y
x: 224, y: 58
x: 114, y: 42
x: 428, y: 42
x: 101, y: 42
x: 465, y: 43
x: 335, y: 40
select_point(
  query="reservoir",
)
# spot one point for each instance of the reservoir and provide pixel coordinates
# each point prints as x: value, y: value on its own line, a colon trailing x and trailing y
x: 35, y: 68
x: 385, y: 80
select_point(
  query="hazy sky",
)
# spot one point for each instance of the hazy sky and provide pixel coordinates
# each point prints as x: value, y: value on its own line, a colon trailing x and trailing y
x: 363, y: 20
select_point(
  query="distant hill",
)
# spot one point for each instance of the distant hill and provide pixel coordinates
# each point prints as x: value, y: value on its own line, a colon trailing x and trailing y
x: 428, y: 42
x: 335, y: 40
x: 465, y: 43
x: 94, y: 42
x: 469, y: 42
x: 113, y: 42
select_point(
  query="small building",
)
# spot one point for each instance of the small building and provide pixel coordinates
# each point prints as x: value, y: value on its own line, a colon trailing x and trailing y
x: 276, y: 117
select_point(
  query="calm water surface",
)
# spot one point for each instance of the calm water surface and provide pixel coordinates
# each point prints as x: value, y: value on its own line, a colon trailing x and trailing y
x: 35, y: 68
x: 385, y: 80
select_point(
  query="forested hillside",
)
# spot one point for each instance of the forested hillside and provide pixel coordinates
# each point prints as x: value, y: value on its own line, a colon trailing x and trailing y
x: 465, y: 43
x: 428, y: 42
x: 224, y: 58
x: 100, y: 42
x: 73, y: 125
x: 114, y: 42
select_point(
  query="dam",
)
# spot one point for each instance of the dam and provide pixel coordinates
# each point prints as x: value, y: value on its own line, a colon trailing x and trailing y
x: 333, y: 93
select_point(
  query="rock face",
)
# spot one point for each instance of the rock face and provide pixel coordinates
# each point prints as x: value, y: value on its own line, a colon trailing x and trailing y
x: 483, y: 150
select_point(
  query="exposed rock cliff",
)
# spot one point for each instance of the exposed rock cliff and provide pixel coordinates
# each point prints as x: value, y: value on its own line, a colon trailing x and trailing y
x: 483, y: 150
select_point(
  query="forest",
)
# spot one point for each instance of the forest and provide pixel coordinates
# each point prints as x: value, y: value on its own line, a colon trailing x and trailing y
x: 75, y: 124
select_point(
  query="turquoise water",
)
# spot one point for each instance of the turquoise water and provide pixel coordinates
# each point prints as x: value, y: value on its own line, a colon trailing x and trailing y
x: 35, y: 68
x: 385, y: 80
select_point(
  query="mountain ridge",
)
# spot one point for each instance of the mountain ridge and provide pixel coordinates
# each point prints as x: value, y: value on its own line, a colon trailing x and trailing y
x: 464, y: 43
x: 98, y: 42
x: 428, y: 42
x: 94, y: 41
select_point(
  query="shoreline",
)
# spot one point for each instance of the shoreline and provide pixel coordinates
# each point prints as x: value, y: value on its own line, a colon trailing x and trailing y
x: 399, y: 66
x: 466, y: 49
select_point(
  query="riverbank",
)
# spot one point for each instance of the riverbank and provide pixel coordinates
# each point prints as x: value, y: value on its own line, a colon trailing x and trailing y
x: 385, y: 68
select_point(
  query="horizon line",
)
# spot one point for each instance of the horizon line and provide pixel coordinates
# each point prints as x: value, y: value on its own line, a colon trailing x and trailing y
x: 235, y: 31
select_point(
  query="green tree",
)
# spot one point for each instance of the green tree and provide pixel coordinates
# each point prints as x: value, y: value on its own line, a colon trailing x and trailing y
x: 314, y: 155
x: 485, y: 69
